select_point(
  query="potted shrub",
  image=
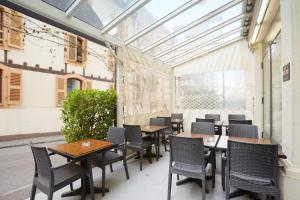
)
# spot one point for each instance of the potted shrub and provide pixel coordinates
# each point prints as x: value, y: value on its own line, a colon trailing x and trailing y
x: 88, y: 114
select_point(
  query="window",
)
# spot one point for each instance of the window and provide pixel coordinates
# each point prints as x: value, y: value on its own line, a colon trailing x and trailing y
x: 75, y: 49
x: 67, y: 83
x: 1, y: 84
x: 212, y: 90
x: 1, y: 26
x: 10, y: 86
x: 11, y: 29
x: 72, y: 84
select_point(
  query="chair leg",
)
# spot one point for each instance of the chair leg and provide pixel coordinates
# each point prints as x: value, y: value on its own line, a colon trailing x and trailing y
x: 50, y: 196
x: 177, y: 177
x: 223, y: 173
x: 92, y: 192
x: 71, y: 186
x: 33, y: 191
x: 141, y: 160
x: 126, y: 168
x: 103, y: 181
x: 83, y: 186
x: 111, y: 168
x: 148, y: 152
x: 169, y: 186
x: 203, y: 188
x: 213, y: 168
x: 165, y: 143
x: 227, y: 190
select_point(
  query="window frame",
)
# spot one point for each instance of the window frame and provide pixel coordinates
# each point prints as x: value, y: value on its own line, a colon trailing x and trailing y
x: 75, y: 61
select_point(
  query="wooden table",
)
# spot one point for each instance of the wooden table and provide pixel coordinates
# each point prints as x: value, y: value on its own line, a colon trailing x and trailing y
x: 178, y: 123
x: 81, y: 151
x: 154, y: 130
x: 223, y: 141
x: 209, y: 141
x: 207, y: 138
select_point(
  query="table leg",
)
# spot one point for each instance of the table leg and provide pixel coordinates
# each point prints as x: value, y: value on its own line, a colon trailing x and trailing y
x: 178, y: 127
x: 84, y: 182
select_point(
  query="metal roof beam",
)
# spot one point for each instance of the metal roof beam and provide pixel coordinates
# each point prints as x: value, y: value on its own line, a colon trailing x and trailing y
x: 208, y: 51
x: 74, y: 7
x: 162, y: 21
x: 201, y: 35
x: 193, y: 24
x: 205, y: 44
x: 136, y: 6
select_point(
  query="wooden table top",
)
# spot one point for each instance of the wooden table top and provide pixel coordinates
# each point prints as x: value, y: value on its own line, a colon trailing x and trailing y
x: 208, y: 140
x: 222, y: 144
x: 152, y: 129
x: 81, y: 149
x: 176, y: 121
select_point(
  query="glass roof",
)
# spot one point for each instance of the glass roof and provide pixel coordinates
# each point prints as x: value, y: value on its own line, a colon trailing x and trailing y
x: 169, y: 30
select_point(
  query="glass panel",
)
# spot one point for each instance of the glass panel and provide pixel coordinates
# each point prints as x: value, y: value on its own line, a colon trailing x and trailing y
x: 88, y: 15
x: 61, y: 4
x: 276, y: 90
x: 193, y: 32
x: 181, y: 20
x: 201, y: 41
x: 72, y: 84
x: 151, y: 12
x: 107, y: 10
x: 212, y: 90
x: 200, y: 50
x: 234, y: 90
x: 266, y: 92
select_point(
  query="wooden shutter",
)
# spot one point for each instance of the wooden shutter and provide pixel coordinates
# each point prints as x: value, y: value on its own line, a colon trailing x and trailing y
x: 60, y: 89
x: 84, y: 51
x: 14, y: 86
x: 72, y: 54
x: 87, y: 85
x: 15, y: 31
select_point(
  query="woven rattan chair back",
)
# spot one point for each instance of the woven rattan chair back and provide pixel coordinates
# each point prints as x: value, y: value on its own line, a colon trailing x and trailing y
x: 116, y: 135
x: 205, y: 120
x: 235, y: 121
x: 236, y: 117
x: 242, y: 130
x: 187, y: 150
x: 133, y: 133
x: 167, y: 122
x: 216, y: 117
x: 177, y: 116
x: 203, y: 128
x: 157, y: 122
x: 257, y: 160
x: 42, y: 161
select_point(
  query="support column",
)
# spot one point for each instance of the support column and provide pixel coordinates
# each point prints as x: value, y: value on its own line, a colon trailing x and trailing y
x: 290, y: 44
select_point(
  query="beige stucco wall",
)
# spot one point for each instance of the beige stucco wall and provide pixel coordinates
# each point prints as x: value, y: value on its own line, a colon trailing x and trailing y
x: 38, y: 112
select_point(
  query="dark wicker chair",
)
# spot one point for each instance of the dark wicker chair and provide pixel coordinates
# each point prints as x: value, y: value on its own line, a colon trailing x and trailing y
x: 136, y: 142
x: 203, y: 127
x: 252, y: 167
x: 236, y: 117
x: 168, y: 131
x: 216, y: 117
x: 177, y: 116
x: 115, y: 135
x: 238, y: 130
x: 206, y: 128
x: 235, y: 121
x: 187, y: 159
x: 205, y: 120
x: 49, y: 179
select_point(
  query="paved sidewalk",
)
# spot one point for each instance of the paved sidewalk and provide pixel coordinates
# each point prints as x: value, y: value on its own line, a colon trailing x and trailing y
x: 36, y: 140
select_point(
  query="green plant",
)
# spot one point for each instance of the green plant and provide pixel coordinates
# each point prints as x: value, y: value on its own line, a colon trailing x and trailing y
x: 88, y: 114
